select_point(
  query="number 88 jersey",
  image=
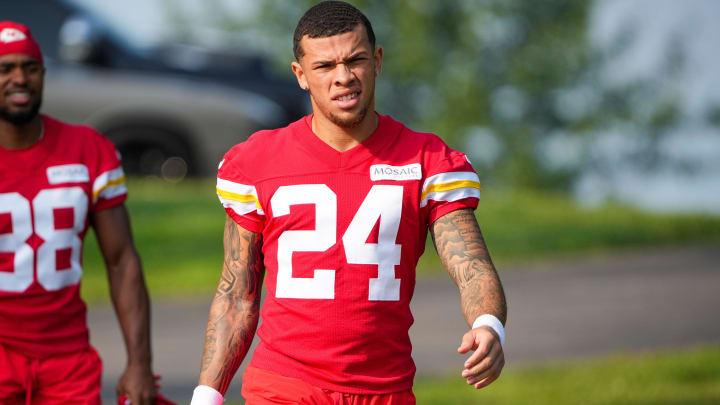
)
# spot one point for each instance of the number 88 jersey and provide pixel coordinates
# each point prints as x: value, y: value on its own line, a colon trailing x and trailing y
x: 47, y: 192
x: 342, y: 234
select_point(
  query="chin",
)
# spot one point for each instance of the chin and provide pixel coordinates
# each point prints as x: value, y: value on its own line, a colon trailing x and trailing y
x: 20, y: 117
x: 349, y: 121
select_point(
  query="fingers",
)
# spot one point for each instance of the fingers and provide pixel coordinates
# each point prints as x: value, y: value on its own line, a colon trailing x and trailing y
x: 467, y: 343
x: 485, y: 364
x: 481, y: 352
x: 487, y: 370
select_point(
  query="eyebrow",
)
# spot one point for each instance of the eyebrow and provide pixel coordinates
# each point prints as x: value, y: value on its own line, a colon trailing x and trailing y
x: 353, y: 56
x: 23, y: 64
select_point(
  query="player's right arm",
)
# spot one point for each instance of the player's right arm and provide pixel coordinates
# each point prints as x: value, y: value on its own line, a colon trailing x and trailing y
x: 234, y: 311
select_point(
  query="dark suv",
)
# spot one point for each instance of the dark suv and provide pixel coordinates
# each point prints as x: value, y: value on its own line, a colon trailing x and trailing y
x: 171, y: 110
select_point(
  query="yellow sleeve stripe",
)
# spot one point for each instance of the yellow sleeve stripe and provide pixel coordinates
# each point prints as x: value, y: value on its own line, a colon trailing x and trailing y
x: 453, y: 185
x: 243, y: 198
x: 111, y: 183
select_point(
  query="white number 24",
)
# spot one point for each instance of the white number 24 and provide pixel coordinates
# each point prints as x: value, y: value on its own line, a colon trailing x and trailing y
x: 383, y: 202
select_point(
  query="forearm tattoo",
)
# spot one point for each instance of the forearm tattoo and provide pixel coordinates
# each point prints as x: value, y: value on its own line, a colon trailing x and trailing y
x: 462, y: 249
x: 234, y: 311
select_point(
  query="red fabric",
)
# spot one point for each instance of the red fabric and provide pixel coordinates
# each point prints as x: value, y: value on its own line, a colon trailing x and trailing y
x: 16, y: 38
x: 42, y: 318
x: 262, y: 387
x: 347, y: 342
x: 70, y: 379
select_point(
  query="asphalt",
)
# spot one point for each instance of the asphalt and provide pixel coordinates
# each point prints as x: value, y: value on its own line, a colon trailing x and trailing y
x: 571, y: 309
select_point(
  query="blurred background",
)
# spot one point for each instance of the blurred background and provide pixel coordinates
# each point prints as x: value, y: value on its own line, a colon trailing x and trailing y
x: 594, y: 127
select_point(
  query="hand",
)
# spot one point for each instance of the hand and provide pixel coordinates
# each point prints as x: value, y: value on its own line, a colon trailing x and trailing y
x: 138, y: 384
x: 486, y: 363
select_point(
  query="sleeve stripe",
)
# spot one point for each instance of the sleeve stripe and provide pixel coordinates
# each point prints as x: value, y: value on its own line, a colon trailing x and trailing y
x: 236, y: 188
x: 449, y: 177
x: 450, y: 186
x: 109, y: 184
x: 241, y: 198
x: 111, y: 192
x: 241, y: 208
x: 451, y: 195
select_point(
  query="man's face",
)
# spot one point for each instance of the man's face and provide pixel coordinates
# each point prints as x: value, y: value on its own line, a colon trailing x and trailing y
x: 21, y: 85
x: 340, y: 73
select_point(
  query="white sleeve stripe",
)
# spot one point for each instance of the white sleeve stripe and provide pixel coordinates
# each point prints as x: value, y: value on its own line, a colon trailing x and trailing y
x: 109, y: 178
x: 111, y: 192
x: 450, y: 195
x: 236, y: 188
x: 449, y: 177
x: 241, y: 208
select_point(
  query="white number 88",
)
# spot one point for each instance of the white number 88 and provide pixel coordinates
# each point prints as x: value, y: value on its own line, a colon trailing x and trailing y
x: 44, y: 204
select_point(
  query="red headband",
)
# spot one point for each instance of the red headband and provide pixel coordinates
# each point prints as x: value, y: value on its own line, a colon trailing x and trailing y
x: 16, y: 38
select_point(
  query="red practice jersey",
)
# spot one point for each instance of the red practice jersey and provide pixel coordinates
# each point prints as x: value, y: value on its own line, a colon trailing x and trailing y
x: 47, y: 192
x: 342, y: 234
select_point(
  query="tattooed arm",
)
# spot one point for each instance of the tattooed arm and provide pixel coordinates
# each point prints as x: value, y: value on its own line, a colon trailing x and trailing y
x: 235, y: 309
x: 461, y: 247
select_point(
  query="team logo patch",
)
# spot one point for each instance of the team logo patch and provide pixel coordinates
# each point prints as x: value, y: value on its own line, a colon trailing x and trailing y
x: 387, y: 172
x: 11, y: 35
x: 75, y: 173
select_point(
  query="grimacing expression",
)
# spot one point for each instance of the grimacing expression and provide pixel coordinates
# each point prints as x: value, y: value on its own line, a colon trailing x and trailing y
x: 340, y: 73
x: 21, y: 86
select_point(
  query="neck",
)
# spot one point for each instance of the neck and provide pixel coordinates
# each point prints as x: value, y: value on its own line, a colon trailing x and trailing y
x: 341, y: 138
x: 14, y: 136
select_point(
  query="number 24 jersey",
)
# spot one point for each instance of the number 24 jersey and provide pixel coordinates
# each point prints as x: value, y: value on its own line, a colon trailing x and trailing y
x: 342, y: 234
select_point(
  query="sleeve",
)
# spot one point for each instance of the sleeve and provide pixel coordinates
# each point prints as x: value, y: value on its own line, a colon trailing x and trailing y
x: 108, y: 188
x: 451, y: 184
x: 238, y: 194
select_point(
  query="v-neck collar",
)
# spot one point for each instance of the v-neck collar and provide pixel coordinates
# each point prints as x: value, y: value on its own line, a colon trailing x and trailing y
x: 36, y: 154
x: 387, y: 130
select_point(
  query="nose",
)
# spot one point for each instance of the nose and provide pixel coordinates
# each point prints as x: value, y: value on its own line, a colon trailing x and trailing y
x: 19, y: 76
x: 343, y: 75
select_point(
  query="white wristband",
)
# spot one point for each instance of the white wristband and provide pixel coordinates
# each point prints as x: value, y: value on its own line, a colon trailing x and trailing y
x: 494, y: 323
x: 204, y: 395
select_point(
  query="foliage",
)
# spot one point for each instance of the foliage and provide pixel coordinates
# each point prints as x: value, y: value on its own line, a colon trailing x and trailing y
x: 515, y: 84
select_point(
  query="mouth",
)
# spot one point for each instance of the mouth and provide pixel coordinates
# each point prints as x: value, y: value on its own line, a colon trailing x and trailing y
x: 19, y: 96
x: 347, y: 100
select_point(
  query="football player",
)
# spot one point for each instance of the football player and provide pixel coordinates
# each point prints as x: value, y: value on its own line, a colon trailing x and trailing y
x: 336, y: 208
x: 56, y: 180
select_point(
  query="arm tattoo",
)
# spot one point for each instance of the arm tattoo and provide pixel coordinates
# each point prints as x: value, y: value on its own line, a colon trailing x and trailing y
x: 234, y: 311
x: 462, y: 249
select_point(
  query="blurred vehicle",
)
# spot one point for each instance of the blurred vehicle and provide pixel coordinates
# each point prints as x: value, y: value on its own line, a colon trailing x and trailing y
x: 172, y: 110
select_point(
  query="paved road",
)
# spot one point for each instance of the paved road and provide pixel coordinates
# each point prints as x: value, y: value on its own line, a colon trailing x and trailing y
x: 570, y: 309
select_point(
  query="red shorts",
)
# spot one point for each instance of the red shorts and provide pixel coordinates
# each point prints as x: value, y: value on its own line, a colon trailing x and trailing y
x: 262, y: 387
x: 67, y: 379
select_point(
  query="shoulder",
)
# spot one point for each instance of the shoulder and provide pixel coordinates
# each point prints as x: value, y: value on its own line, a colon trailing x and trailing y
x: 251, y: 157
x: 432, y: 147
x: 77, y: 135
x: 258, y: 146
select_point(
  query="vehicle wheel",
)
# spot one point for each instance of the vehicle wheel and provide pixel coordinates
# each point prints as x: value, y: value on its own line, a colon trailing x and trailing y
x: 152, y: 152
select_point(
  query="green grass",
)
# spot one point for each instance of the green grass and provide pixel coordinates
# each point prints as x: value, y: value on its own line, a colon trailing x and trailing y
x: 687, y: 376
x: 178, y: 232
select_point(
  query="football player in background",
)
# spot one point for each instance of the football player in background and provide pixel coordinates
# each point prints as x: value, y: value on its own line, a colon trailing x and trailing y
x: 56, y: 180
x: 336, y: 207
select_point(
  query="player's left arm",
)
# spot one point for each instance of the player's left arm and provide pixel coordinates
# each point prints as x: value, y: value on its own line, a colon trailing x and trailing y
x: 130, y: 299
x: 462, y: 249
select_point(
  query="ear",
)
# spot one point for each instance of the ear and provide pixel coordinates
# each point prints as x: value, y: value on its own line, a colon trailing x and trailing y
x: 378, y: 59
x: 299, y: 75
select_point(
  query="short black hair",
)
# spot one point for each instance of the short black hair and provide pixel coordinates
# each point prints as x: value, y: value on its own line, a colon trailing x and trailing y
x: 329, y: 18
